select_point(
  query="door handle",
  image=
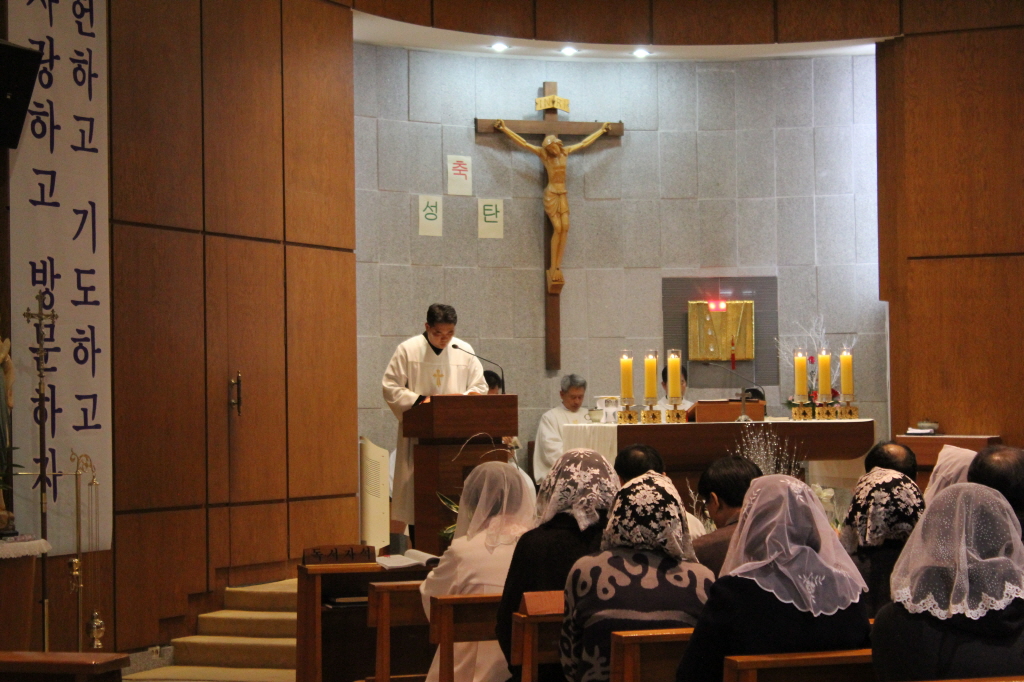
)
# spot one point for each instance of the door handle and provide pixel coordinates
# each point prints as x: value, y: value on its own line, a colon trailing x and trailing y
x: 236, y: 383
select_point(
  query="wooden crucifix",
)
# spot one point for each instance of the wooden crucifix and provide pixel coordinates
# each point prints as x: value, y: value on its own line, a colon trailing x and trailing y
x: 556, y: 205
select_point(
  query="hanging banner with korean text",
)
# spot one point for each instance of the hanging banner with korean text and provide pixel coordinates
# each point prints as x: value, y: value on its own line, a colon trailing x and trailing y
x: 59, y: 262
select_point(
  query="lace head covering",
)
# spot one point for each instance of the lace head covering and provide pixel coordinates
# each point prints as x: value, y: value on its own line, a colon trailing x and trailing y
x: 784, y: 543
x: 964, y: 557
x: 886, y: 506
x: 950, y: 467
x: 581, y: 483
x: 496, y: 500
x: 648, y: 514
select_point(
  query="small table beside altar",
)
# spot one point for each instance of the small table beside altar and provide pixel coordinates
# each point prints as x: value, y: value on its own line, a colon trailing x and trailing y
x: 442, y: 458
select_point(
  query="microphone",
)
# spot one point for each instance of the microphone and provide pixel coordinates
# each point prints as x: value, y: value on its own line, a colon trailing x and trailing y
x: 743, y: 417
x: 457, y: 347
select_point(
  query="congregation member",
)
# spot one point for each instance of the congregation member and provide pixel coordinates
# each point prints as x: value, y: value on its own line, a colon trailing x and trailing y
x: 957, y: 609
x: 721, y: 487
x: 889, y: 454
x: 547, y: 446
x: 786, y: 585
x: 950, y: 467
x: 886, y: 507
x: 663, y: 403
x: 423, y: 366
x: 637, y: 459
x: 496, y: 508
x: 1001, y: 467
x: 645, y: 577
x: 494, y: 383
x: 572, y: 510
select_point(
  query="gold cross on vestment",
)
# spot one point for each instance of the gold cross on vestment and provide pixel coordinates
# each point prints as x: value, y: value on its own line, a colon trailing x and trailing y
x: 438, y: 375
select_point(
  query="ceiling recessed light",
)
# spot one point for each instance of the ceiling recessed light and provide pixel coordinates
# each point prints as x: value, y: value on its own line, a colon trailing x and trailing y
x: 569, y: 51
x: 641, y: 53
x: 499, y: 47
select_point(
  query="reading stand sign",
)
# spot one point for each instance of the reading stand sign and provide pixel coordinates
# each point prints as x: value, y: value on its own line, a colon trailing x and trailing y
x: 339, y: 554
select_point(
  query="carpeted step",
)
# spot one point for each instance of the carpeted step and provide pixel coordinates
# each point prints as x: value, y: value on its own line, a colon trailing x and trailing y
x: 189, y: 673
x: 235, y: 652
x: 248, y: 623
x: 279, y: 596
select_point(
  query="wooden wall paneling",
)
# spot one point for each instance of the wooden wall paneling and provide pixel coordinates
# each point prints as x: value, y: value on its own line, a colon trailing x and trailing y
x: 242, y: 118
x: 160, y: 559
x: 713, y: 22
x: 322, y: 410
x: 319, y: 124
x: 409, y: 11
x: 889, y: 105
x: 803, y: 21
x: 331, y: 521
x: 621, y: 22
x: 218, y: 523
x: 159, y: 404
x: 961, y: 331
x: 925, y: 16
x: 98, y: 594
x: 259, y: 534
x: 18, y: 603
x: 156, y: 119
x: 245, y: 293
x: 964, y: 104
x: 509, y: 18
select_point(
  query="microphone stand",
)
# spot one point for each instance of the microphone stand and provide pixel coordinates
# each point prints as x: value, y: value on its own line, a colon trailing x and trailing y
x: 457, y: 347
x: 743, y: 396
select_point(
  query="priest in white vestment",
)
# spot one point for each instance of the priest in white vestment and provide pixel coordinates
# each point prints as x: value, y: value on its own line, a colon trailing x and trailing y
x: 547, y: 446
x: 423, y: 366
x: 663, y: 403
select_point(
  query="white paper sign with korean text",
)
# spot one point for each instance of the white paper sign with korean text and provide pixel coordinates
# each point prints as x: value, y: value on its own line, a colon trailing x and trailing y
x: 431, y: 216
x: 460, y: 175
x: 490, y: 218
x: 59, y: 249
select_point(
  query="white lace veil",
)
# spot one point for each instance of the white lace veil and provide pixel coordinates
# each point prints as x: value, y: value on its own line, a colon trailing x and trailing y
x: 964, y: 557
x: 497, y: 500
x: 950, y: 467
x: 581, y: 483
x: 784, y: 543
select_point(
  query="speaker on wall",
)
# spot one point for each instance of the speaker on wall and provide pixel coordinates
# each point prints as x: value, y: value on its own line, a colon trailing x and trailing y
x: 18, y: 69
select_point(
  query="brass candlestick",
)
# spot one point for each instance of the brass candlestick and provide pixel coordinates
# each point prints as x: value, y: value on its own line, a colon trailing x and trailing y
x: 97, y: 628
x: 628, y: 416
x: 650, y: 415
x: 675, y: 415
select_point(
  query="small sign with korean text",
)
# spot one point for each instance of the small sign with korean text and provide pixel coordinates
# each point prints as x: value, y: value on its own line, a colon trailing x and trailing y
x: 460, y: 175
x: 431, y: 216
x: 490, y: 218
x: 339, y: 554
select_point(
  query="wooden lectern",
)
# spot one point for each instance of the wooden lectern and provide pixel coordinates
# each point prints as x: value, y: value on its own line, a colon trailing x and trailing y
x: 443, y: 426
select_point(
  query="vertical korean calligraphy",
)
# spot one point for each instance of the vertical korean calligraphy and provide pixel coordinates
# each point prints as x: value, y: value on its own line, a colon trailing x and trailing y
x: 59, y: 249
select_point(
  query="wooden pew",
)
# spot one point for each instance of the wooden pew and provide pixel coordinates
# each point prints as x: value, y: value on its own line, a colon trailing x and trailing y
x: 461, y: 618
x: 392, y: 605
x: 536, y: 629
x: 648, y: 655
x: 853, y: 665
x: 61, y: 666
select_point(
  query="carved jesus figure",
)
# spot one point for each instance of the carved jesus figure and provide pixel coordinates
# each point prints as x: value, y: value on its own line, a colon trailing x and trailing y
x: 556, y: 204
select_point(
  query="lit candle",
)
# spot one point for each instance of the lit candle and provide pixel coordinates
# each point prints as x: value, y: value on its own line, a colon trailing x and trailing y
x: 824, y: 376
x: 626, y: 375
x: 675, y: 375
x: 846, y: 374
x: 800, y: 375
x: 651, y: 375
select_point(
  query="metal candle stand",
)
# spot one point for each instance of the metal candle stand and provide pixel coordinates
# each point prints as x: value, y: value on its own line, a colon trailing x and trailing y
x: 628, y: 416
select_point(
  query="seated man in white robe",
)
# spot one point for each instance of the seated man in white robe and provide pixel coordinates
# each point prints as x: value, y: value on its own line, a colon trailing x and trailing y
x: 547, y: 446
x: 432, y: 363
x: 663, y: 403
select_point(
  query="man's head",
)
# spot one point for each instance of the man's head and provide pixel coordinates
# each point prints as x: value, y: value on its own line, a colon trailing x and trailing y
x: 551, y: 144
x: 440, y: 326
x: 493, y: 382
x: 664, y: 380
x: 636, y: 460
x: 891, y: 455
x: 723, y: 485
x: 573, y: 390
x: 1001, y: 467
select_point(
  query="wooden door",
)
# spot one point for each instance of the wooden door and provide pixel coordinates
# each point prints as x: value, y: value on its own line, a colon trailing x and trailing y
x: 245, y: 336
